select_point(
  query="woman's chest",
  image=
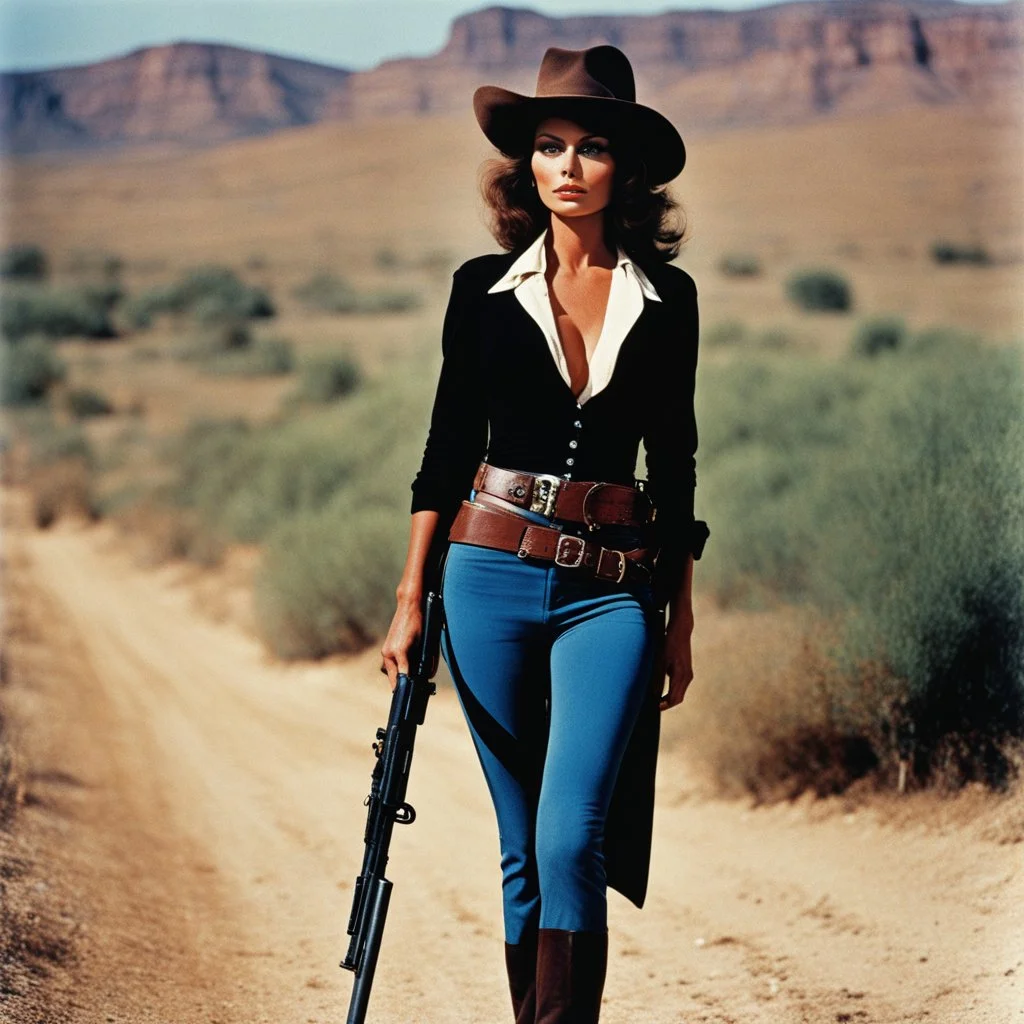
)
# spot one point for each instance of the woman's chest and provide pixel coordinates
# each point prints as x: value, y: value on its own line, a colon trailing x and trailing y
x: 516, y: 362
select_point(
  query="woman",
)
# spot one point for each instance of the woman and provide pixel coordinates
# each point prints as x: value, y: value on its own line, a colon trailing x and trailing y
x: 560, y: 356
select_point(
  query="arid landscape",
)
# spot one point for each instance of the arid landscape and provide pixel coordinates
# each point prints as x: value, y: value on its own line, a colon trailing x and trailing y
x: 181, y: 815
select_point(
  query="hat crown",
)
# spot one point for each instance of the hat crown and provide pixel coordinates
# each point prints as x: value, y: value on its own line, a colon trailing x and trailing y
x: 597, y: 71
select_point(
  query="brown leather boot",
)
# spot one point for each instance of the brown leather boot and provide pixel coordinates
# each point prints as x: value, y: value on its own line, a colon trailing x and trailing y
x: 571, y: 969
x: 521, y: 964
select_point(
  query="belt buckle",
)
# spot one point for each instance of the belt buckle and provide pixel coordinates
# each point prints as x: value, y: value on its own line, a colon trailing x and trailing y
x: 544, y: 494
x: 622, y: 563
x: 560, y: 547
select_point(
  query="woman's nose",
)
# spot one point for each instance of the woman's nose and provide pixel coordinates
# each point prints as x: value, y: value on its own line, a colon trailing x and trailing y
x: 570, y: 164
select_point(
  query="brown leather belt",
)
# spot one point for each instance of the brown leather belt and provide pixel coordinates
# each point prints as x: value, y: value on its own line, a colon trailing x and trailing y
x: 490, y: 528
x: 578, y: 501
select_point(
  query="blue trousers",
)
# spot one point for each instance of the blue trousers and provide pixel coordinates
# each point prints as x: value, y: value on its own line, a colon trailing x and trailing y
x: 551, y: 669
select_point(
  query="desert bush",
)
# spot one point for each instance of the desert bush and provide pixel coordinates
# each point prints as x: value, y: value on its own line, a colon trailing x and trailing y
x: 329, y: 293
x: 84, y: 403
x: 775, y: 338
x: 724, y: 332
x: 880, y: 334
x: 210, y: 293
x: 12, y: 787
x: 244, y: 480
x: 819, y: 290
x: 27, y: 371
x: 328, y: 378
x: 265, y: 357
x: 50, y: 442
x: 892, y: 498
x: 939, y: 339
x: 215, y: 340
x: 61, y: 489
x: 24, y: 262
x: 740, y: 264
x: 328, y: 579
x: 56, y: 312
x: 96, y: 263
x: 944, y: 252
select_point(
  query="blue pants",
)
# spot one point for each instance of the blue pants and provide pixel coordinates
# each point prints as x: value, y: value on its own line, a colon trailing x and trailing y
x: 551, y: 669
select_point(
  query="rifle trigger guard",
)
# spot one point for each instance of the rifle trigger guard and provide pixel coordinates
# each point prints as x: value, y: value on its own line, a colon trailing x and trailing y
x: 405, y: 814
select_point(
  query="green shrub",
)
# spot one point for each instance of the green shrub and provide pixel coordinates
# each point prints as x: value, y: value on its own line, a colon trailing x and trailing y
x: 775, y: 338
x: 725, y: 332
x: 819, y: 290
x: 329, y: 293
x: 106, y: 266
x: 938, y: 340
x: 27, y: 371
x: 216, y: 340
x: 52, y: 443
x: 944, y: 252
x: 328, y: 378
x: 55, y: 312
x: 889, y: 495
x: 881, y: 334
x: 244, y: 480
x: 740, y: 264
x: 84, y: 403
x: 210, y: 293
x: 327, y: 581
x: 266, y: 357
x: 25, y: 262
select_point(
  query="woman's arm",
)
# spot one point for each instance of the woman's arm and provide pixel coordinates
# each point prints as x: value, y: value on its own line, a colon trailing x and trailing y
x: 456, y: 442
x: 407, y: 623
x: 678, y: 651
x: 671, y: 445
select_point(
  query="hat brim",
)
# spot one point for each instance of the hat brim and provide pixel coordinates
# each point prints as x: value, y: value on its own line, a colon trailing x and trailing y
x: 509, y: 118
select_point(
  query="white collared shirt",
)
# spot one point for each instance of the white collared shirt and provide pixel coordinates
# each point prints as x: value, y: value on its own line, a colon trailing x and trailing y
x: 630, y: 285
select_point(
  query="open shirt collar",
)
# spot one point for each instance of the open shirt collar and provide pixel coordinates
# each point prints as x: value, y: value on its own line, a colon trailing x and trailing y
x: 533, y: 260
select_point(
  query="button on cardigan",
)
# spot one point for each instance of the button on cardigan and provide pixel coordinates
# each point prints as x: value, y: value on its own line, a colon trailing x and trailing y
x: 502, y: 396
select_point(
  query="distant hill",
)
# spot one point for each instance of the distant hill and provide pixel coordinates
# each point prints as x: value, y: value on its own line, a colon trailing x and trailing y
x: 781, y: 63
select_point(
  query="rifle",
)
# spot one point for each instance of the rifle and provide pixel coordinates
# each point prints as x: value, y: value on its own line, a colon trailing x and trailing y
x: 387, y: 807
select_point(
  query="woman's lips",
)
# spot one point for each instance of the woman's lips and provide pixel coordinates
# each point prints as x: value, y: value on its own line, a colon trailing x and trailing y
x: 570, y: 193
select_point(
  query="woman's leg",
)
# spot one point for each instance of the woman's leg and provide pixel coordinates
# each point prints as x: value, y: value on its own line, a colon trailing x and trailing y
x: 601, y: 661
x: 496, y: 649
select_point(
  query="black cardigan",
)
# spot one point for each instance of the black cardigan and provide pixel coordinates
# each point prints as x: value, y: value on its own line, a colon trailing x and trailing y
x: 501, y: 398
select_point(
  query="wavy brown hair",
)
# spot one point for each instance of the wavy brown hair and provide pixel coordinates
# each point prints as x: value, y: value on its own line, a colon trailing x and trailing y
x: 643, y: 218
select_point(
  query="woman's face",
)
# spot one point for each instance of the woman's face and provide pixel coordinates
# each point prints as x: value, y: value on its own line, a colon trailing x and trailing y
x: 573, y: 168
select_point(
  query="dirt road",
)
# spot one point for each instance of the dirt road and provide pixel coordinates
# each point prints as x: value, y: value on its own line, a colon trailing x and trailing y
x: 209, y: 808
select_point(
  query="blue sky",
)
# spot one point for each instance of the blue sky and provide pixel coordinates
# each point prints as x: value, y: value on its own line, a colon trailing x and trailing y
x: 346, y: 33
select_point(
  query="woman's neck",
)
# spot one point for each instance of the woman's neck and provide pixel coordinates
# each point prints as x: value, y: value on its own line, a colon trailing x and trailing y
x: 575, y: 243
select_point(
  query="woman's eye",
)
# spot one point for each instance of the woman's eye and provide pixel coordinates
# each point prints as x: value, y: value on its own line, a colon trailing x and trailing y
x: 548, y: 148
x: 594, y: 148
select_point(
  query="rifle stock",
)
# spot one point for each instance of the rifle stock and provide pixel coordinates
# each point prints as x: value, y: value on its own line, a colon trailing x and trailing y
x: 387, y: 806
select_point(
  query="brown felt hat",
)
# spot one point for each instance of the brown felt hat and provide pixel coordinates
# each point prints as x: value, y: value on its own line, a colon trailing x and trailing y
x: 594, y: 87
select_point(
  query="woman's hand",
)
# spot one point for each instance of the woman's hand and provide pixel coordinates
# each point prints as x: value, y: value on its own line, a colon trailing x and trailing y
x: 677, y: 656
x: 404, y: 631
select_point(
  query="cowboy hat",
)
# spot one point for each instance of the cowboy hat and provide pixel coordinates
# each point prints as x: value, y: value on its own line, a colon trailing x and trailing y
x: 594, y: 87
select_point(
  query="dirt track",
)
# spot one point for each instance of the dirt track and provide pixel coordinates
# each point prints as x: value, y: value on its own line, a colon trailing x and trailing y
x: 209, y: 809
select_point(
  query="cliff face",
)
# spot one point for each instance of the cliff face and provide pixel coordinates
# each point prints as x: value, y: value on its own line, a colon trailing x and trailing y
x: 703, y: 67
x: 717, y: 67
x: 184, y: 91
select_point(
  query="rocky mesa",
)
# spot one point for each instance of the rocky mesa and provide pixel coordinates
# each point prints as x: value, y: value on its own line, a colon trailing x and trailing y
x: 705, y: 68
